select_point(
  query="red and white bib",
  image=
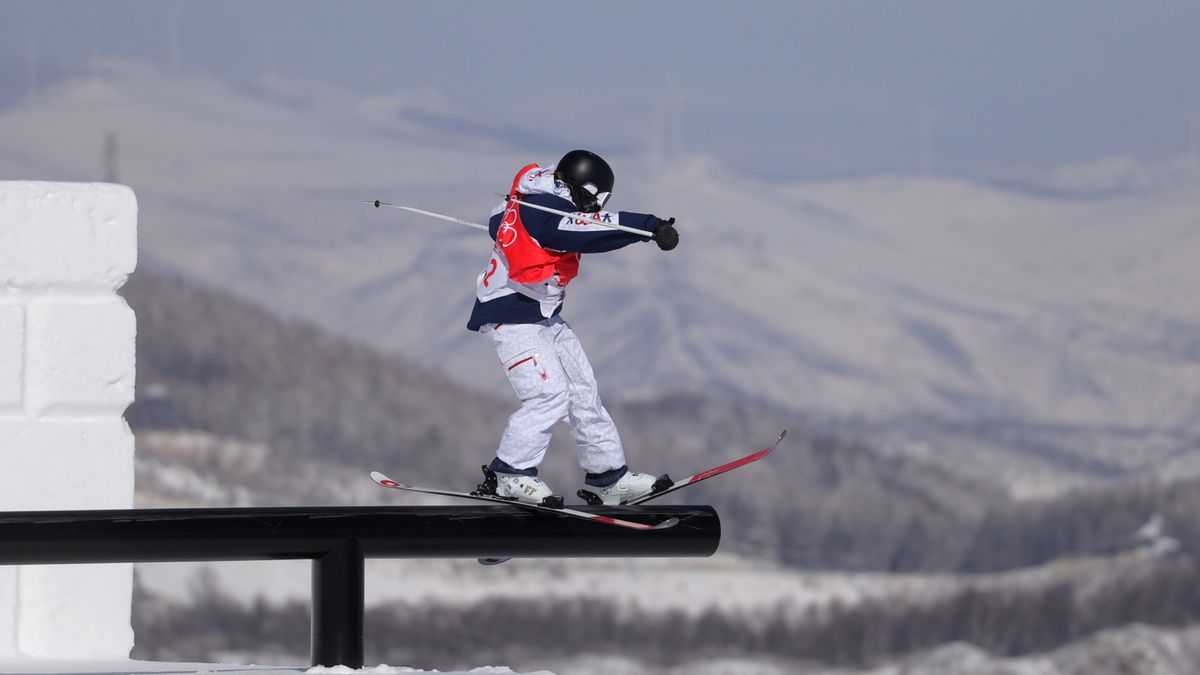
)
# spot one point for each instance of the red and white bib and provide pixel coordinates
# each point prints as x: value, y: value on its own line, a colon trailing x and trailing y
x: 519, y: 264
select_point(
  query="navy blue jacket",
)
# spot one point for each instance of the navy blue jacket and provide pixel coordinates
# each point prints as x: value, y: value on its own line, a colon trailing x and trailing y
x: 544, y: 227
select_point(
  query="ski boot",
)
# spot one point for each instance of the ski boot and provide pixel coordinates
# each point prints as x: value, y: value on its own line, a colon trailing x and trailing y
x: 516, y: 487
x: 627, y: 488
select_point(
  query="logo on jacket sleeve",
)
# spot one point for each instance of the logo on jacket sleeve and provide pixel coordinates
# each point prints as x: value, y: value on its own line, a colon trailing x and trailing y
x: 506, y: 234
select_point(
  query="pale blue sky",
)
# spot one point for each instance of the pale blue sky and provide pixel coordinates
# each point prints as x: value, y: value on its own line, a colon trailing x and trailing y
x: 783, y: 89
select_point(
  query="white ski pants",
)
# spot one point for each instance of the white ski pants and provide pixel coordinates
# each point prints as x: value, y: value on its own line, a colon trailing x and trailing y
x: 551, y: 375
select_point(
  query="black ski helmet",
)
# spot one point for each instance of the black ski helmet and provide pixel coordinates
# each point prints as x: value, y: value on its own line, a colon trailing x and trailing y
x: 589, y: 178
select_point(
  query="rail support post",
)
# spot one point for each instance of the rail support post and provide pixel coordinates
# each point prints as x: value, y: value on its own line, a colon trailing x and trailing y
x: 338, y: 599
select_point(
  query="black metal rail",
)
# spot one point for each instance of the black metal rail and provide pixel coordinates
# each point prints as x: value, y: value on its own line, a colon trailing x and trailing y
x: 339, y: 539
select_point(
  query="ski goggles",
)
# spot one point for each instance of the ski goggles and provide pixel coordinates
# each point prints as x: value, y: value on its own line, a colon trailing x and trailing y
x: 592, y: 199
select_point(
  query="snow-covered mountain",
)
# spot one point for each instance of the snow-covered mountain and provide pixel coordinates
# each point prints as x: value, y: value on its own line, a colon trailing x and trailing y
x: 868, y: 299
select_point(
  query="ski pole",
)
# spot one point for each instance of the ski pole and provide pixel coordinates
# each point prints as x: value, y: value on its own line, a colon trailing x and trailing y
x: 460, y: 221
x: 431, y: 214
x: 578, y: 216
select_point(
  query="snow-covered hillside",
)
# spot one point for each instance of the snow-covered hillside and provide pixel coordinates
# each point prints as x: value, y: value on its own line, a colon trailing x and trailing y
x: 869, y: 299
x: 726, y: 583
x: 1136, y: 649
x: 722, y: 587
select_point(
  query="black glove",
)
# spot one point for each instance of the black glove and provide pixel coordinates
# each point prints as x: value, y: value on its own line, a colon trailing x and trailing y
x: 666, y: 235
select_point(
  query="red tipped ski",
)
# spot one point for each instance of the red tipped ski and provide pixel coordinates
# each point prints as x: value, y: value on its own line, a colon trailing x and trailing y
x: 715, y: 471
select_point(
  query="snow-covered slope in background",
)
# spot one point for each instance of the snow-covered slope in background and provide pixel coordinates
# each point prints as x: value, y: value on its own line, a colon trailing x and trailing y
x: 1136, y: 648
x: 872, y: 298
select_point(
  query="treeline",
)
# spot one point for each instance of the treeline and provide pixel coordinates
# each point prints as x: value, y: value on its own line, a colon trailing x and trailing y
x: 852, y: 509
x: 1010, y: 620
x: 1094, y: 521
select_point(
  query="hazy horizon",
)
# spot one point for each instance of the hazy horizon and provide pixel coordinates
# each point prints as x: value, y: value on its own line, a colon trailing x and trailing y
x: 781, y: 91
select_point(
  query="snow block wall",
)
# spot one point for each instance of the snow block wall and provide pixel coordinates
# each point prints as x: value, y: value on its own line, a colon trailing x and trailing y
x: 66, y: 377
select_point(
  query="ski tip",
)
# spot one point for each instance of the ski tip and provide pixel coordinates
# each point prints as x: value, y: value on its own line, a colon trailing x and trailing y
x: 492, y: 561
x: 384, y: 480
x: 782, y: 435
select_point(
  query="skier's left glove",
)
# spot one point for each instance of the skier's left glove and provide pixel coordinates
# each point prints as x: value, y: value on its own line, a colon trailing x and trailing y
x: 665, y: 234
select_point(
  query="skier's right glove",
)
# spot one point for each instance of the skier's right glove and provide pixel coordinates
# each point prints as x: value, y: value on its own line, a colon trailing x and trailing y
x: 665, y: 234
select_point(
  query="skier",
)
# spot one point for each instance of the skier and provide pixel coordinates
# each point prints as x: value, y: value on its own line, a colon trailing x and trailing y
x: 519, y: 296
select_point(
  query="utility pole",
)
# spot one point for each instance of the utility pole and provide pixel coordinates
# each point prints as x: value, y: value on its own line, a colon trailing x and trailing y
x: 111, y: 173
